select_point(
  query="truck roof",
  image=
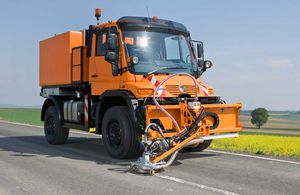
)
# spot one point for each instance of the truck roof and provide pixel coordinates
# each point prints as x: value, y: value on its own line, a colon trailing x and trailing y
x: 133, y: 21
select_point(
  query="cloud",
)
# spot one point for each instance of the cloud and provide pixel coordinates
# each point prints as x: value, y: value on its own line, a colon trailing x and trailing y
x: 279, y: 63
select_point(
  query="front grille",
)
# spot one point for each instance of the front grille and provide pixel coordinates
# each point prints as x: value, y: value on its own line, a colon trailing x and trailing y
x: 174, y: 89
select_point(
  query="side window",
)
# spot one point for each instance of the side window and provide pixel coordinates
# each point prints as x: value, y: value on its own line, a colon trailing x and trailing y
x: 185, y: 50
x: 100, y: 43
x: 172, y: 48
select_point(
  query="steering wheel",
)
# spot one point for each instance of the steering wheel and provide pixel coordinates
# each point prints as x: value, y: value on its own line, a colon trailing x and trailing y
x: 187, y: 58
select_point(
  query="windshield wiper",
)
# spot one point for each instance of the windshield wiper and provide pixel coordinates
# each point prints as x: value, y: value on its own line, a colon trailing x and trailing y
x: 163, y: 68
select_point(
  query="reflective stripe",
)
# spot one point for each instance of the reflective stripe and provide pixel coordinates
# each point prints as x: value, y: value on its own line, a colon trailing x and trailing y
x: 155, y: 82
x: 86, y: 108
x: 204, y: 89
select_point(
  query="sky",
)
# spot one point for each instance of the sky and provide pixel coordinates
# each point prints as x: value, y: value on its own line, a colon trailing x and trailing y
x: 253, y: 44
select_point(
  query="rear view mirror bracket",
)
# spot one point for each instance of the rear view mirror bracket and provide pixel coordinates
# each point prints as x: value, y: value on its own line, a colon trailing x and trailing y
x: 112, y: 51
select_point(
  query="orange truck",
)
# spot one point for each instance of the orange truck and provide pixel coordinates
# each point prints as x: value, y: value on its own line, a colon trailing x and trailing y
x: 136, y: 81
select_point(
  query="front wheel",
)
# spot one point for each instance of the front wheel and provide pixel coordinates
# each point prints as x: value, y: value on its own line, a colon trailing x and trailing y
x: 120, y: 138
x: 54, y: 132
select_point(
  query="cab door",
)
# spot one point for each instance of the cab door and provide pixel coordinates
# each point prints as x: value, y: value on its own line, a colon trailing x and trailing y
x: 101, y: 76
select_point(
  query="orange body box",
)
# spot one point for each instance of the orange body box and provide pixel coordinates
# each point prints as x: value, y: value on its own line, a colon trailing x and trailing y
x: 56, y: 59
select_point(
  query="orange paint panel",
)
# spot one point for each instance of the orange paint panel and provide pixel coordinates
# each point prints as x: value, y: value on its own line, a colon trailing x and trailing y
x: 104, y: 38
x: 86, y: 65
x: 76, y: 57
x: 76, y: 73
x: 129, y: 40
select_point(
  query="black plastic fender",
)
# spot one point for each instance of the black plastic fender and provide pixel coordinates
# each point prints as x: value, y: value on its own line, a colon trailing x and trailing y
x: 52, y: 101
x: 124, y: 97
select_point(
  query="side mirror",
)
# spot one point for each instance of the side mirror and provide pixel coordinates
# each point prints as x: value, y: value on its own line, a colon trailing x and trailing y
x: 112, y: 52
x: 112, y: 42
x: 112, y: 57
x: 199, y: 50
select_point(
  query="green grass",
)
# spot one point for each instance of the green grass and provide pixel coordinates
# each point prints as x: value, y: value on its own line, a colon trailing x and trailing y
x: 21, y: 115
x: 287, y: 146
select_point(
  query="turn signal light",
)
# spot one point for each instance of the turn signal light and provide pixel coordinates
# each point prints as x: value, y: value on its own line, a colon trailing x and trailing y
x: 145, y: 91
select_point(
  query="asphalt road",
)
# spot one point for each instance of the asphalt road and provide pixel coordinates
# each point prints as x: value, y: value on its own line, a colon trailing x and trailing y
x: 28, y: 165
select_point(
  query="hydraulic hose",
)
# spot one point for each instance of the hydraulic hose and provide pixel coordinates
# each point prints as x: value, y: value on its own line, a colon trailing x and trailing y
x: 148, y: 127
x: 161, y: 83
x: 170, y: 161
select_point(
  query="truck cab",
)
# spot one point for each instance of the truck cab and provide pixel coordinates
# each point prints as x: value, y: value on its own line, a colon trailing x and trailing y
x: 139, y: 46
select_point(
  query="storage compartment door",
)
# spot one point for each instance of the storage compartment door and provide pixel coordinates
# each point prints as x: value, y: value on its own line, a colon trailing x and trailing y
x: 77, y: 65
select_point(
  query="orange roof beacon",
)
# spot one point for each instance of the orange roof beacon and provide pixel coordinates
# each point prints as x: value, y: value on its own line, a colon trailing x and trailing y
x: 136, y: 81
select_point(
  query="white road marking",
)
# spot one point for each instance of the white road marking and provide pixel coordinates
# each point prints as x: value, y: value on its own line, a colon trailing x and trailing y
x: 36, y: 126
x: 252, y: 156
x: 23, y: 124
x: 201, y: 186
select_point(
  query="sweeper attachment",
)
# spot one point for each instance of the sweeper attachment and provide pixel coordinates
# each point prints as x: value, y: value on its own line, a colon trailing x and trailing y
x: 194, y: 122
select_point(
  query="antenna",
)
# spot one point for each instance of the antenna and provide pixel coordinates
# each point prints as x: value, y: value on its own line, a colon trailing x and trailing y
x: 148, y: 11
x: 148, y: 19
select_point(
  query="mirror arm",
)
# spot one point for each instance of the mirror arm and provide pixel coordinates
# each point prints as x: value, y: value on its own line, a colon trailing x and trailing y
x: 201, y: 72
x: 124, y: 69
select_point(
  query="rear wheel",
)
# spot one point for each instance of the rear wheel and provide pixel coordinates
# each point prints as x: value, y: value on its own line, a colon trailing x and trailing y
x: 54, y: 132
x: 120, y: 138
x: 200, y: 147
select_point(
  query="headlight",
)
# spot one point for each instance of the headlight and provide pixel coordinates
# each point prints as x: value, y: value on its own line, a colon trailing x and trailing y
x: 135, y: 60
x: 207, y: 64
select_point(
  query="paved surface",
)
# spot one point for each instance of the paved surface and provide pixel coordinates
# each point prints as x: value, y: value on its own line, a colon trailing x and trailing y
x: 28, y: 165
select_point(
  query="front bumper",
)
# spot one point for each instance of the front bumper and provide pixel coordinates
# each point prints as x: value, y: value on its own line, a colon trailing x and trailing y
x: 227, y: 115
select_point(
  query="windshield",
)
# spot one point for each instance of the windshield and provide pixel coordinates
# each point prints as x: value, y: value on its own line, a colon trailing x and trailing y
x: 157, y: 50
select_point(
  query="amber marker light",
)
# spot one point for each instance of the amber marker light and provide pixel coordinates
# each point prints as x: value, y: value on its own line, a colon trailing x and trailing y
x: 98, y: 13
x: 155, y: 18
x: 145, y: 91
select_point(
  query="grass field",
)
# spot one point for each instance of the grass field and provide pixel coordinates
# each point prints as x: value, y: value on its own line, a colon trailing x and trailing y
x: 282, y: 123
x: 279, y: 137
x: 21, y: 115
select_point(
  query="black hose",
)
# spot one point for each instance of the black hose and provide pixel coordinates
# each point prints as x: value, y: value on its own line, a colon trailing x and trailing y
x: 197, y: 121
x: 215, y: 117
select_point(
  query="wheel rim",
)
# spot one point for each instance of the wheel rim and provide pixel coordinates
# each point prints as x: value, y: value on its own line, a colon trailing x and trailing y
x: 50, y: 126
x: 114, y: 134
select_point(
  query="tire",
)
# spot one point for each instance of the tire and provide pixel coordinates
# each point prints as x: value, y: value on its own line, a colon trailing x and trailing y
x: 120, y: 138
x: 54, y: 132
x: 200, y: 147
